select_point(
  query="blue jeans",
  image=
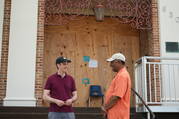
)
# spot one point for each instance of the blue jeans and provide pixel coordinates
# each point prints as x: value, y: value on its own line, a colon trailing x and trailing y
x: 61, y: 115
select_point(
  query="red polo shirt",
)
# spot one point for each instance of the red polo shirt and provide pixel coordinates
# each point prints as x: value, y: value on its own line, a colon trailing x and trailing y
x: 60, y: 88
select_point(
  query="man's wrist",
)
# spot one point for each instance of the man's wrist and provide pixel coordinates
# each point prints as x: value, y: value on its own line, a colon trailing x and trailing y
x: 54, y: 100
x: 73, y: 100
x: 106, y: 107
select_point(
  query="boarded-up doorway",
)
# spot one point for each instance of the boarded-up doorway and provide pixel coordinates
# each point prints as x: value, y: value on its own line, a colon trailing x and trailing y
x: 99, y: 40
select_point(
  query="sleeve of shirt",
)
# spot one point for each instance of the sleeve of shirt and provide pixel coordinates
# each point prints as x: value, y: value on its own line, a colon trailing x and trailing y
x: 73, y: 85
x: 120, y: 86
x: 48, y: 85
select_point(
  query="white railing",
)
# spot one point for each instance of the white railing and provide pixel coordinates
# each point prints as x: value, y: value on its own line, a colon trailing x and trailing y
x: 157, y: 80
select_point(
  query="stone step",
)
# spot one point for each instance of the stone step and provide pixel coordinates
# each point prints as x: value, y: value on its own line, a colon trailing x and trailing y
x: 80, y: 113
x: 45, y: 115
x: 42, y: 113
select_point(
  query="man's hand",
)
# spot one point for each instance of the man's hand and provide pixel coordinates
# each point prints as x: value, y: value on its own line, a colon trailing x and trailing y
x: 103, y: 109
x: 59, y: 102
x: 104, y: 112
x: 68, y: 102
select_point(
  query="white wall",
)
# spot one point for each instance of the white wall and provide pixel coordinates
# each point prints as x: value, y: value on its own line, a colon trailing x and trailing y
x: 22, y: 54
x: 1, y: 24
x: 169, y: 25
x: 169, y: 32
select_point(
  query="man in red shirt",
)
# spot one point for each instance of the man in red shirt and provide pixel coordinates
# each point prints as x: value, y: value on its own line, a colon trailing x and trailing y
x: 117, y: 99
x: 60, y: 92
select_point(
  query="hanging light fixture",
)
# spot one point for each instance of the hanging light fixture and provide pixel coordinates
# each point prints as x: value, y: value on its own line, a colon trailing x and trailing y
x: 99, y: 12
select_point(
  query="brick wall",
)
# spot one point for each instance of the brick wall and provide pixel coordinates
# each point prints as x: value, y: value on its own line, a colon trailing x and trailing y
x: 155, y: 49
x: 149, y: 39
x: 5, y: 46
x: 39, y: 53
x: 154, y: 45
x: 145, y: 38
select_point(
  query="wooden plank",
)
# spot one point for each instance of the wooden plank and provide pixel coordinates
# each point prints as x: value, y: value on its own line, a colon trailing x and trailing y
x: 99, y: 40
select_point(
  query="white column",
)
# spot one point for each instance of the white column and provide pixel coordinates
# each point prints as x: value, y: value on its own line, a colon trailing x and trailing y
x: 1, y: 24
x: 22, y: 54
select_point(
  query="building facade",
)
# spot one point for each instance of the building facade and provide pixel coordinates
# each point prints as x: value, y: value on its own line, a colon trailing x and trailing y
x: 28, y: 47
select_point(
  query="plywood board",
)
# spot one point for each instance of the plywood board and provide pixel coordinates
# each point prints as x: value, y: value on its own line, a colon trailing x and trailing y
x: 99, y: 40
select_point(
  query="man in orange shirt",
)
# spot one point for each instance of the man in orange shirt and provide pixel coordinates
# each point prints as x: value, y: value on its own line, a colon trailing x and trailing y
x: 117, y: 99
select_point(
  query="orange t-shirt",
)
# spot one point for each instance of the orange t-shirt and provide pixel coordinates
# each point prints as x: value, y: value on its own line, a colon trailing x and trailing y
x: 121, y: 87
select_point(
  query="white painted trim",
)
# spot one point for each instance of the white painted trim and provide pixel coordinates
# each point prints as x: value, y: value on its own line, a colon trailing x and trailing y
x: 162, y: 108
x: 20, y: 102
x: 1, y: 24
x: 165, y: 108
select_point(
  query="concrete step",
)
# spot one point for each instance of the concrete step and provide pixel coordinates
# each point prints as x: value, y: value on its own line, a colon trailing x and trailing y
x: 42, y: 113
x: 167, y: 115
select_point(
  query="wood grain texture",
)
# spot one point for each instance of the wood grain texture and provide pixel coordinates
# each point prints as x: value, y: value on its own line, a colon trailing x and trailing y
x: 99, y: 40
